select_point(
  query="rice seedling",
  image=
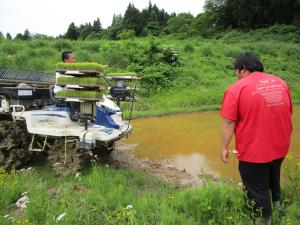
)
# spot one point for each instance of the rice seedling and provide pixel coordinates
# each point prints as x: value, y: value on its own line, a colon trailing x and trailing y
x: 81, y: 67
x: 80, y: 94
x: 83, y: 81
x: 121, y: 74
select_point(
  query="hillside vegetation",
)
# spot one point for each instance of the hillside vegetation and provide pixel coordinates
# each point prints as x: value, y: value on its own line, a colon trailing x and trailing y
x: 179, y: 73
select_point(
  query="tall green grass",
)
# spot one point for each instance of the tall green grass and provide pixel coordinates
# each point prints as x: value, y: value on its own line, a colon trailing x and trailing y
x: 104, y: 195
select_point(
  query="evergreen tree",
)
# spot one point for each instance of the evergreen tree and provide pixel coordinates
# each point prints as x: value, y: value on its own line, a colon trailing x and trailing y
x: 73, y: 32
x: 26, y: 35
x: 1, y: 36
x: 97, y: 26
x: 115, y: 29
x: 132, y: 19
x: 8, y: 36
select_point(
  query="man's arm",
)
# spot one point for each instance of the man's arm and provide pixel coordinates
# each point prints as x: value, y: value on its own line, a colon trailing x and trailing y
x: 227, y: 132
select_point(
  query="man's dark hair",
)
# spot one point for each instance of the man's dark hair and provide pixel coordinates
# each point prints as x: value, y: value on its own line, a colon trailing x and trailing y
x: 248, y: 61
x: 65, y: 55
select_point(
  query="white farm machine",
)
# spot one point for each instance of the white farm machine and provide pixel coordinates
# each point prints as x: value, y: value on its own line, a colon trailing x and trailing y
x: 68, y: 118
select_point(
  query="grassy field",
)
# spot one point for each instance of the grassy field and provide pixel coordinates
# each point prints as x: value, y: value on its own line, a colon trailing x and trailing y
x: 105, y: 195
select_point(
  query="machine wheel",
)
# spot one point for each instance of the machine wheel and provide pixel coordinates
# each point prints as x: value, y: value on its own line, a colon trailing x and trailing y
x: 69, y: 162
x: 104, y: 150
x: 14, y: 144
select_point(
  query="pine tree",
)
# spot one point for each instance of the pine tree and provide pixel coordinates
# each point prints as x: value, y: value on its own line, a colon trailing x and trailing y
x: 8, y: 36
x: 72, y: 33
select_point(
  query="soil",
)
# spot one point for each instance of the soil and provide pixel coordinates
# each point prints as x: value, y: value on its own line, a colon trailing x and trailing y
x: 124, y: 157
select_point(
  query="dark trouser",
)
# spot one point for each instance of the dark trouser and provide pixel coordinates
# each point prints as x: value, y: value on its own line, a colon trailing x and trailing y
x: 258, y: 179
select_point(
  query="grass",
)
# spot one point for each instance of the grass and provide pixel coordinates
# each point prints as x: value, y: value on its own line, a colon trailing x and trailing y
x: 105, y: 195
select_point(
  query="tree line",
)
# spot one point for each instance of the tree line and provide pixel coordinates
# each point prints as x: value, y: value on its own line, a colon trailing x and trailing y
x: 218, y: 15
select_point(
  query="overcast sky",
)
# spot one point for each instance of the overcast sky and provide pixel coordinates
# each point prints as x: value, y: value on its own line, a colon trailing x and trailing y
x: 52, y: 17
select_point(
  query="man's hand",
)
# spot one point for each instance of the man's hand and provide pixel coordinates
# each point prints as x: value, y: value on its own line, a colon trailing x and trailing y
x: 224, y: 155
x: 227, y: 132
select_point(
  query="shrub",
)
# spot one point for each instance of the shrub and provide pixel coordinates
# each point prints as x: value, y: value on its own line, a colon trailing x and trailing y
x: 170, y: 56
x: 62, y: 45
x: 189, y: 48
x: 207, y: 52
x: 126, y: 34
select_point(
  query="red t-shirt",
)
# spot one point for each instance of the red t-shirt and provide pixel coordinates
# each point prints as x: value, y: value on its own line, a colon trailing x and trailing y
x: 262, y: 108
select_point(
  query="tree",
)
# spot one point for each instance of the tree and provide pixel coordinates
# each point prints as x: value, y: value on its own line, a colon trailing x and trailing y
x: 72, y: 33
x: 132, y: 19
x: 1, y: 36
x: 152, y: 28
x: 205, y: 24
x: 26, y: 36
x: 180, y: 23
x: 115, y: 29
x: 97, y: 26
x: 8, y: 36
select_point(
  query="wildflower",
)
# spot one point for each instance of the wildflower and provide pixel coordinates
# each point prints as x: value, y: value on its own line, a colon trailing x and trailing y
x: 29, y: 168
x: 77, y: 174
x: 60, y: 217
x: 240, y: 184
x: 22, y: 202
x: 6, y: 216
x: 129, y: 207
x: 106, y: 165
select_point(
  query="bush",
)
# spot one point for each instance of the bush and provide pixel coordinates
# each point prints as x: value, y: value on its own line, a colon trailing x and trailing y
x: 170, y: 56
x: 62, y: 45
x: 189, y: 48
x: 126, y: 34
x: 207, y: 52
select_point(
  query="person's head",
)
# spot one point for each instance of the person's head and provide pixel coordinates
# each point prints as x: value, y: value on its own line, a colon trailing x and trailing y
x: 247, y: 63
x: 68, y: 57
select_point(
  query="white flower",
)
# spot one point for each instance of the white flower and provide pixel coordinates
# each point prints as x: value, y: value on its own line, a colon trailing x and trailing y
x: 22, y: 202
x: 60, y: 217
x: 106, y: 165
x: 7, y: 215
x: 240, y: 184
x: 29, y: 168
x: 77, y: 174
x: 129, y: 207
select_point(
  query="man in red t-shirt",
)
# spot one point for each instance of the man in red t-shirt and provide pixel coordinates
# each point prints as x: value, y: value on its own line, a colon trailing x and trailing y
x: 257, y: 109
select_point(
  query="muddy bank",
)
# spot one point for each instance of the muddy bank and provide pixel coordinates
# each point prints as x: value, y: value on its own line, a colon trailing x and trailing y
x: 124, y: 157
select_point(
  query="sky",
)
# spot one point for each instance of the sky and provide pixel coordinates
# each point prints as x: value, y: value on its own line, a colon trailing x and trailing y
x: 52, y: 17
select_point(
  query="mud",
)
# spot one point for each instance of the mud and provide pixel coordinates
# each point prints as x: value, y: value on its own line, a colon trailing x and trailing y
x: 124, y: 157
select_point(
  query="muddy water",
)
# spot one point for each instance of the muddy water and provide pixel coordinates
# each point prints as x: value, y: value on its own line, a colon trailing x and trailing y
x: 191, y: 142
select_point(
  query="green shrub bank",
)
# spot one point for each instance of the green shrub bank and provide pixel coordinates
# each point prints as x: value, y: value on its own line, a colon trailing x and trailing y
x: 178, y: 73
